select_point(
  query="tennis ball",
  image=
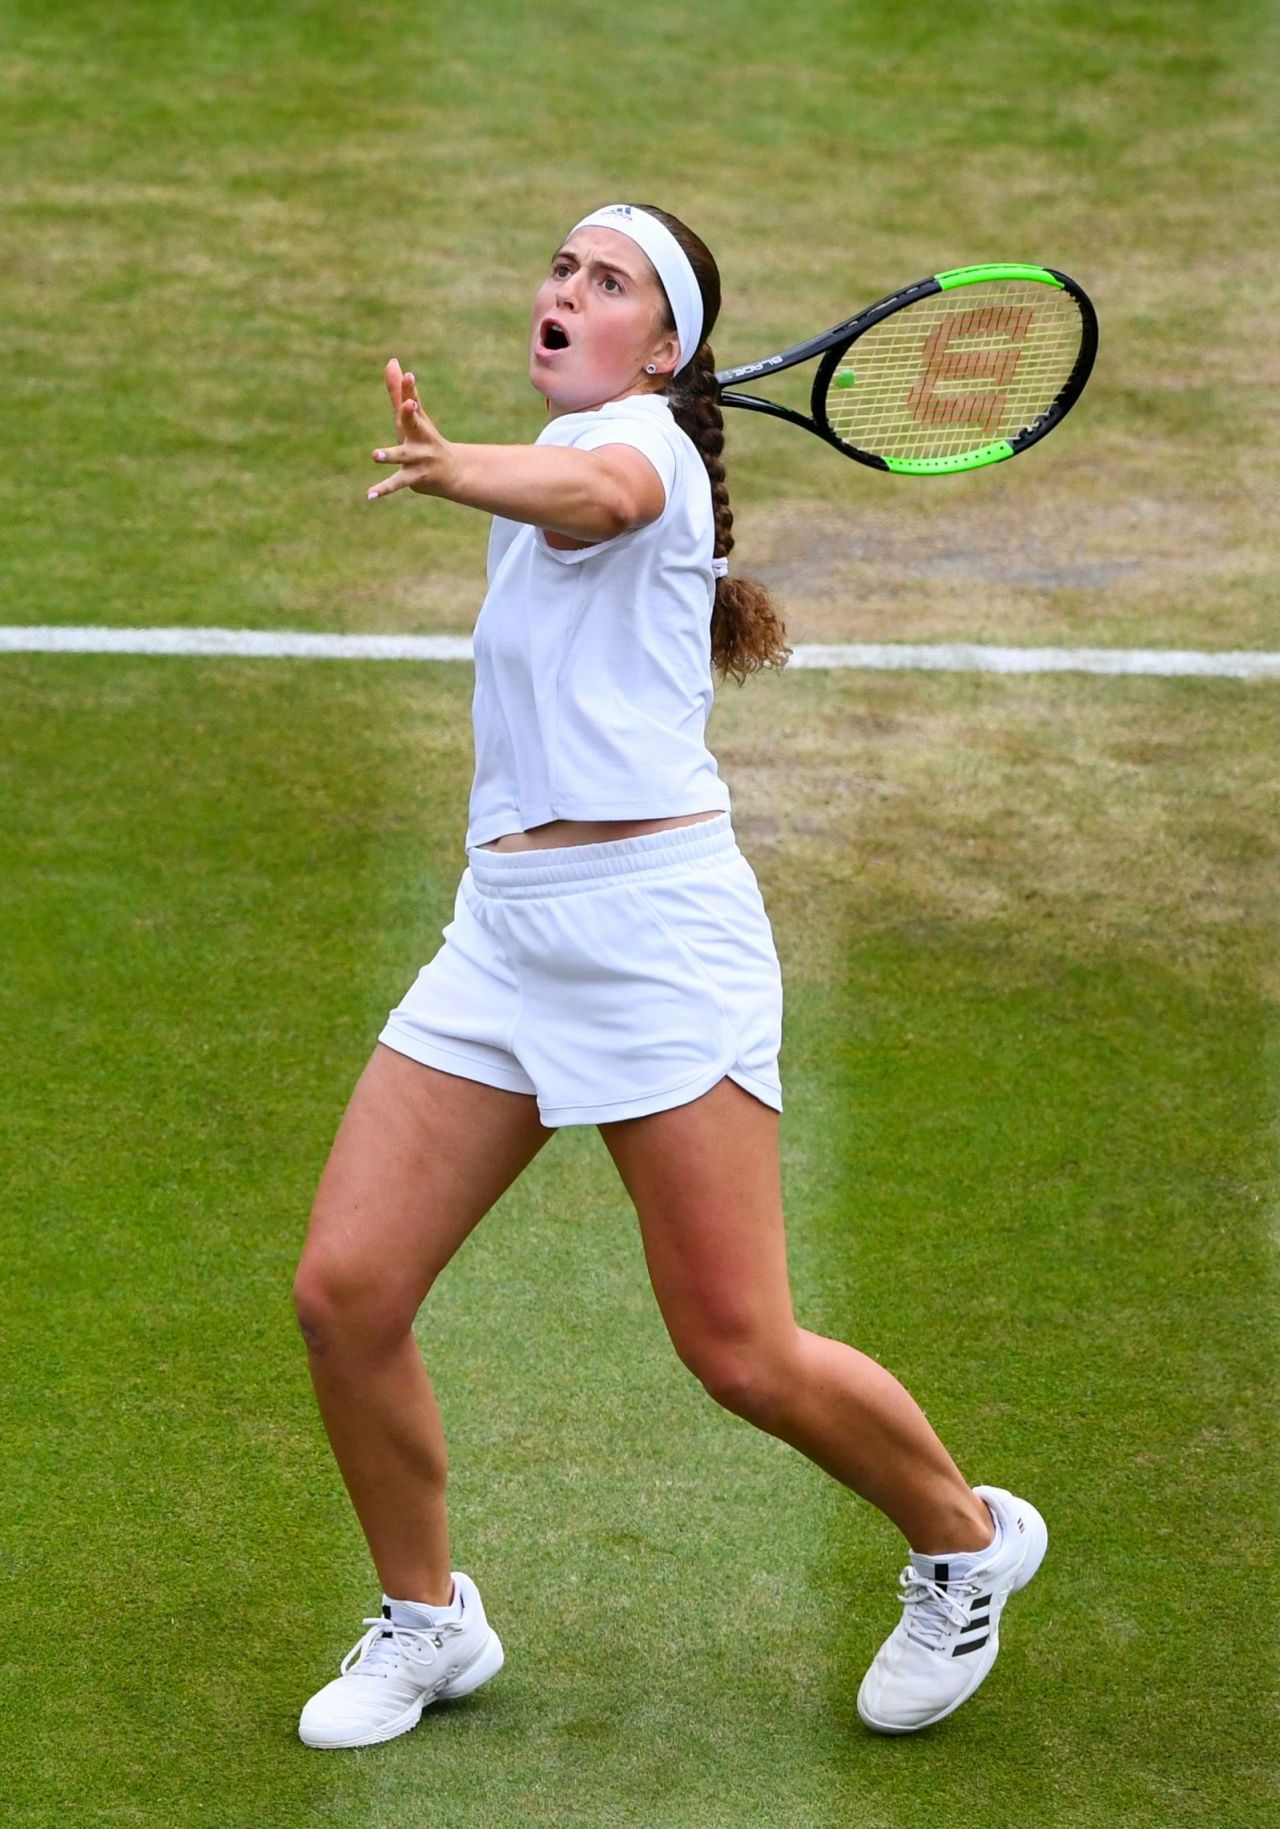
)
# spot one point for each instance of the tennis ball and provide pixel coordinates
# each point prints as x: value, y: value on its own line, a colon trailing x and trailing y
x: 845, y: 378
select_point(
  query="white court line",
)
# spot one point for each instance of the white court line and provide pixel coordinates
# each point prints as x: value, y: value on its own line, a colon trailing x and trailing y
x: 270, y: 644
x: 974, y: 657
x: 944, y: 657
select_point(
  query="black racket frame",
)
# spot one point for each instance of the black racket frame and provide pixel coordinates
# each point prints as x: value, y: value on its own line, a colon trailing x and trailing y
x: 832, y: 345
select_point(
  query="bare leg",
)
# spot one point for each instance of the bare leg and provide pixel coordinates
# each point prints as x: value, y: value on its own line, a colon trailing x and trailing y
x: 419, y: 1158
x: 706, y: 1185
x: 854, y: 1419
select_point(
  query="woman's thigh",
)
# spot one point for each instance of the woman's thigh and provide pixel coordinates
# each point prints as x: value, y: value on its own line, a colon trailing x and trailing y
x: 706, y: 1183
x: 419, y: 1158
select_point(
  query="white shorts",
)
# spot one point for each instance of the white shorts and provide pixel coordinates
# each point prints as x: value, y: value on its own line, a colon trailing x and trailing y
x: 610, y: 980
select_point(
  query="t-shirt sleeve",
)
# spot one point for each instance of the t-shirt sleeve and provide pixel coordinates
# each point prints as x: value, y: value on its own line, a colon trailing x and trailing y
x: 638, y: 433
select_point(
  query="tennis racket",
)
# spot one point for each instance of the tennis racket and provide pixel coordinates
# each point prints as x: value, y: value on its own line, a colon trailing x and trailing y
x: 963, y: 369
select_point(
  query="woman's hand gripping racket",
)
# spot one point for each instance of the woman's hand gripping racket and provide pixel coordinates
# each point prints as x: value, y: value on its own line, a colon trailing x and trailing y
x: 959, y: 370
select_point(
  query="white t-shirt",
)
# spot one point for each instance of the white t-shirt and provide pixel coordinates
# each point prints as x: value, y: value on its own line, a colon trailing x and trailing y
x: 593, y: 666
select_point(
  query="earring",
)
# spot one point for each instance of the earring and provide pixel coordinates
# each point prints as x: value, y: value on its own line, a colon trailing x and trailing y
x: 650, y: 368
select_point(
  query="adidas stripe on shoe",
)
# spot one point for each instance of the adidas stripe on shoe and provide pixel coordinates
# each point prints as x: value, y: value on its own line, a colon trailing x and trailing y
x: 949, y: 1633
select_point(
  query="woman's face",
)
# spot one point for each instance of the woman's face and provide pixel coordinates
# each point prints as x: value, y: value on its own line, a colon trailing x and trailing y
x: 607, y: 301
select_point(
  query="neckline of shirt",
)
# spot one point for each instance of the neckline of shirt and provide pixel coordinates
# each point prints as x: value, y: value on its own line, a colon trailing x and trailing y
x: 641, y: 403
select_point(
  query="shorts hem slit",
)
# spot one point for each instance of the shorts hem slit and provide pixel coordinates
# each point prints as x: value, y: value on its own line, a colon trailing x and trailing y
x: 667, y: 1098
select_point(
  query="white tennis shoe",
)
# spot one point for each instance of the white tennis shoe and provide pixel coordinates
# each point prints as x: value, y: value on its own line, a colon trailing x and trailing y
x: 396, y: 1671
x: 949, y: 1633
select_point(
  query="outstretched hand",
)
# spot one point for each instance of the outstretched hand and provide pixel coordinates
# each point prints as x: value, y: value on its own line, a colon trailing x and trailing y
x: 424, y: 456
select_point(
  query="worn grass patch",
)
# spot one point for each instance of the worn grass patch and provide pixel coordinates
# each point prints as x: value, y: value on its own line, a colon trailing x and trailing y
x: 1142, y: 814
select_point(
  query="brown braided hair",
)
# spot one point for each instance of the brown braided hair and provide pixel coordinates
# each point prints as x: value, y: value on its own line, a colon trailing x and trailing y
x: 746, y: 631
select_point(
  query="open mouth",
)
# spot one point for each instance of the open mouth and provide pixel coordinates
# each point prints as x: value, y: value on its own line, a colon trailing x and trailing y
x: 553, y: 335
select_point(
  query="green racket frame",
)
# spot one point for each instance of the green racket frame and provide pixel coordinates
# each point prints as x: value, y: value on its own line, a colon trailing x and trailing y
x: 833, y: 344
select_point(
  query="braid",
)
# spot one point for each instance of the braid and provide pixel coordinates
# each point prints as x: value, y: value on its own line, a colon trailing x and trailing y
x: 746, y: 631
x: 695, y: 407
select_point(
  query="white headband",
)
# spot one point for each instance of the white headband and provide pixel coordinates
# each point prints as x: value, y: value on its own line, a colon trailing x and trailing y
x: 670, y: 262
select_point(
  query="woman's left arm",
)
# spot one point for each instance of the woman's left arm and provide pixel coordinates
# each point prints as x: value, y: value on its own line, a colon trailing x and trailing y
x: 589, y: 495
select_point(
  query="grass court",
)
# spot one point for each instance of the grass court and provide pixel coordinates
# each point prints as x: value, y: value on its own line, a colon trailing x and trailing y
x: 1027, y: 925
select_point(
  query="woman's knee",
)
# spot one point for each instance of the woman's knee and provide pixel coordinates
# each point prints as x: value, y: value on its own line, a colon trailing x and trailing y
x: 344, y: 1301
x: 750, y: 1377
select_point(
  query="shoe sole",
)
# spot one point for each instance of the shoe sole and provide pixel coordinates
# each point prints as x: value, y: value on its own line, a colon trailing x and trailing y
x: 1037, y: 1542
x: 486, y: 1665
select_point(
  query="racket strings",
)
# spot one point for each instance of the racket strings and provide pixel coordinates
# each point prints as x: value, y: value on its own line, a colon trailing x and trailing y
x: 956, y: 370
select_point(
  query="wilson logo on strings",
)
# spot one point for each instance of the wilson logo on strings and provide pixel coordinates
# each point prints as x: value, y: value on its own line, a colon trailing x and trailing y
x: 945, y: 364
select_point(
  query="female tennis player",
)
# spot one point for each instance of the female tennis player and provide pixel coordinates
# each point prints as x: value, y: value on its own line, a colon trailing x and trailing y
x: 609, y: 962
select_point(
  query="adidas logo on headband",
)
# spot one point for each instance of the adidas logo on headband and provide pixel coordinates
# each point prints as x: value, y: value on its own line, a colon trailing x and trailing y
x: 669, y: 261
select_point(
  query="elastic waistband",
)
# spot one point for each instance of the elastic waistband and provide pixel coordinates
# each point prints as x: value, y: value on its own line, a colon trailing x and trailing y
x: 561, y: 869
